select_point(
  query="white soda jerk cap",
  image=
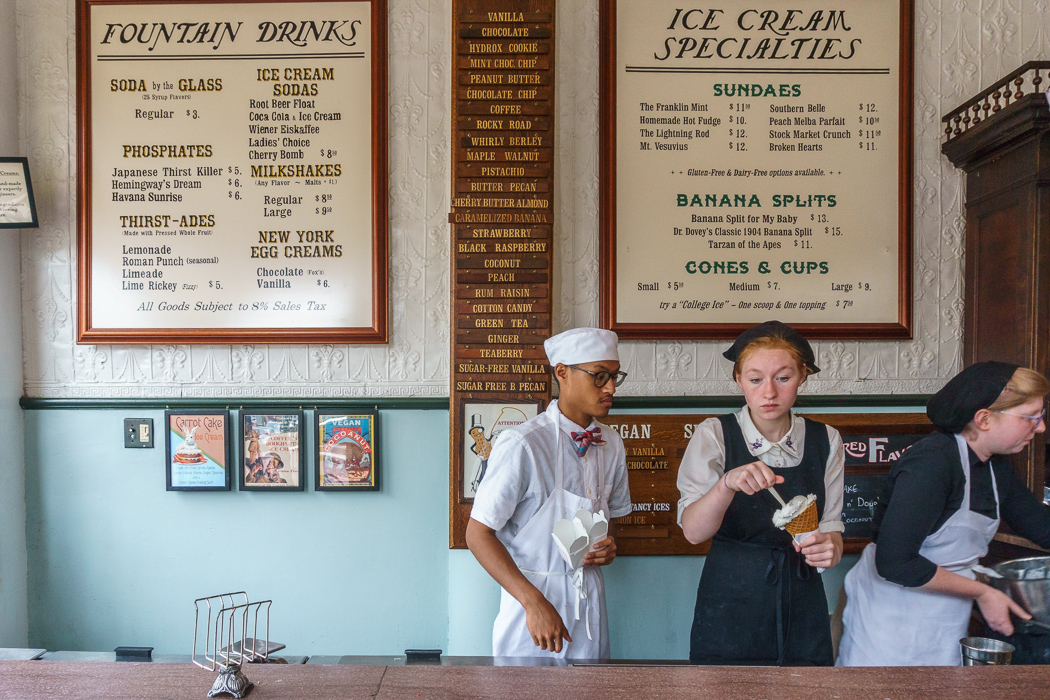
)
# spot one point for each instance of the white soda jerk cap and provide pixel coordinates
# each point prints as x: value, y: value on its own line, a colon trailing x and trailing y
x: 580, y: 345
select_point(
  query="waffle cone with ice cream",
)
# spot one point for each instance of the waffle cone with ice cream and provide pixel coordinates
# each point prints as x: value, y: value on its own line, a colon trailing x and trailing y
x: 797, y: 516
x: 806, y: 521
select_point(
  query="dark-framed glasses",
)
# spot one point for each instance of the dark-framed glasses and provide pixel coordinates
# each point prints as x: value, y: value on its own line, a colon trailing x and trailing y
x: 1033, y: 419
x: 601, y: 378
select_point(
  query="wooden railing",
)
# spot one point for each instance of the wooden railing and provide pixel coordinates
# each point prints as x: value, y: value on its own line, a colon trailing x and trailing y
x: 1021, y: 82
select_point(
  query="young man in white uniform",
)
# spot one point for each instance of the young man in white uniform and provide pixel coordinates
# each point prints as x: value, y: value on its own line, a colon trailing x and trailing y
x: 540, y: 472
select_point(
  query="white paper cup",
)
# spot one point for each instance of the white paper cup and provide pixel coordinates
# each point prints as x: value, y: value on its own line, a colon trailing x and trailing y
x: 801, y: 537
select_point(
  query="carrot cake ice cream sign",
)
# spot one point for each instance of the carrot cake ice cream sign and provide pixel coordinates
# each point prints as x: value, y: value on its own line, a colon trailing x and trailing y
x: 197, y: 451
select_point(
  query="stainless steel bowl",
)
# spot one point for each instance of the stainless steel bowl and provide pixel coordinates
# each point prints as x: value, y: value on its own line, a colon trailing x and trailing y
x: 981, y: 651
x: 1027, y: 581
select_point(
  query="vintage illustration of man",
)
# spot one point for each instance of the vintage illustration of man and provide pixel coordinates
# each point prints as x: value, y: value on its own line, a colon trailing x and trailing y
x: 479, y: 444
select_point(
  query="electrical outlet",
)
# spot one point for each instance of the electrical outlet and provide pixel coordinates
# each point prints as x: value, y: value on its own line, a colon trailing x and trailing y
x: 138, y: 432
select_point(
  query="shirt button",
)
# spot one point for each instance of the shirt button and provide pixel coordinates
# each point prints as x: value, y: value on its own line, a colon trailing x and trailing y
x: 588, y: 492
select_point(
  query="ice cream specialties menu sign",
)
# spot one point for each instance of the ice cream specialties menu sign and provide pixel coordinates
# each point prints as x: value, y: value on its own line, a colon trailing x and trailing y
x: 757, y: 165
x: 231, y: 183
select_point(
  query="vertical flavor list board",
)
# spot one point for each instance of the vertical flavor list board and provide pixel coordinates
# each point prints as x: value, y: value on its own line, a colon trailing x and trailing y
x: 502, y: 221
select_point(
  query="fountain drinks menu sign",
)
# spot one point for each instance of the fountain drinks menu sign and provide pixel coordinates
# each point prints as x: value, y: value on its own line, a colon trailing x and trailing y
x: 230, y: 183
x: 758, y: 167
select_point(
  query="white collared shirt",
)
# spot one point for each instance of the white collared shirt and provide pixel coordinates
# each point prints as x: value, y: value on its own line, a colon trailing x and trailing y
x: 520, y: 474
x: 704, y: 462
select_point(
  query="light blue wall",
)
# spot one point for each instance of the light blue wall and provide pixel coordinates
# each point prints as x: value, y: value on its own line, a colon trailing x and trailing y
x: 14, y: 628
x: 114, y: 559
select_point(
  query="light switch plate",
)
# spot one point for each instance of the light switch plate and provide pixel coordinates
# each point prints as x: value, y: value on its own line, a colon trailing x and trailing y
x: 138, y: 432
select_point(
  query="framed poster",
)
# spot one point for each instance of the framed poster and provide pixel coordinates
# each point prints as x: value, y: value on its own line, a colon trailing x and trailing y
x: 197, y: 447
x: 483, y: 421
x: 271, y: 451
x: 232, y: 179
x: 346, y: 452
x: 17, y: 205
x: 756, y: 163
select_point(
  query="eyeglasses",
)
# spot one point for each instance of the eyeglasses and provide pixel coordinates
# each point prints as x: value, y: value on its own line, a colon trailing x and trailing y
x: 1034, y: 420
x: 602, y: 378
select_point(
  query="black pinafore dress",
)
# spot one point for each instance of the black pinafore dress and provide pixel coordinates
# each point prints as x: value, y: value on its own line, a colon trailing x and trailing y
x: 758, y: 601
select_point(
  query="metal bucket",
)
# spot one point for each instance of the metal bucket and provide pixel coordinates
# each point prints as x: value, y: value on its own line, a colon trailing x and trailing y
x: 981, y: 651
x: 1027, y: 581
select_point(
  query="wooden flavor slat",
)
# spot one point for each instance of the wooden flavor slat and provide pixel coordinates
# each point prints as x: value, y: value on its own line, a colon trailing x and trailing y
x: 509, y: 62
x: 504, y: 322
x: 516, y: 79
x: 488, y: 124
x: 504, y: 109
x: 501, y: 16
x: 500, y: 337
x: 518, y: 33
x: 514, y: 187
x: 499, y: 217
x: 489, y: 306
x: 523, y: 353
x: 503, y: 93
x: 509, y: 233
x: 488, y: 169
x: 502, y: 292
x: 502, y: 263
x: 502, y: 47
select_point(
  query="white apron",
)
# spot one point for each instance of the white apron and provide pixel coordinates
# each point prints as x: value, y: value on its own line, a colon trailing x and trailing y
x: 885, y: 624
x: 536, y: 555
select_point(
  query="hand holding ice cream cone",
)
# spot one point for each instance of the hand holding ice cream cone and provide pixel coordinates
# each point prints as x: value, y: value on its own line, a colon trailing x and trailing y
x: 799, y: 517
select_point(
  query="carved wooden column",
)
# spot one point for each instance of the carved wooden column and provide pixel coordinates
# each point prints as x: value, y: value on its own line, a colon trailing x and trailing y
x: 1001, y: 138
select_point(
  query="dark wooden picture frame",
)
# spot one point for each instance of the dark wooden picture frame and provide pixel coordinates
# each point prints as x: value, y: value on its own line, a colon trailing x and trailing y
x: 249, y: 453
x: 364, y: 456
x: 608, y: 175
x: 34, y: 220
x: 377, y: 332
x: 187, y: 452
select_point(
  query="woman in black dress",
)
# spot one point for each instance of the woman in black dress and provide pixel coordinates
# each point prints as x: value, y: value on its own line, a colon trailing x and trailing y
x: 761, y: 599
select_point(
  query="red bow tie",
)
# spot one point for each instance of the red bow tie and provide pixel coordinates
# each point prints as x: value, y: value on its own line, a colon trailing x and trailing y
x: 586, y: 439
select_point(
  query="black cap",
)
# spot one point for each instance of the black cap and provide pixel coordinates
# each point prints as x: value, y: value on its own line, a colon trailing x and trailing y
x: 774, y: 329
x: 976, y: 387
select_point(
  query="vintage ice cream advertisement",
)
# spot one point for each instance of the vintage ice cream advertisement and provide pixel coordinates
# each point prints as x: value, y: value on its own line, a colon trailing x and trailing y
x: 197, y: 451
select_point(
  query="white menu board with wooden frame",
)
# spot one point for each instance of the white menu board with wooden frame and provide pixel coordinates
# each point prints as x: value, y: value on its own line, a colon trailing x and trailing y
x: 756, y: 164
x: 232, y: 171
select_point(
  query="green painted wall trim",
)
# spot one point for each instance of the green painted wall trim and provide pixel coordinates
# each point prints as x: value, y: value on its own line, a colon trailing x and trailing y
x: 440, y: 403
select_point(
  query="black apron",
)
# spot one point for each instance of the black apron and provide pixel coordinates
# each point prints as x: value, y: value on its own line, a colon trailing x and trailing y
x: 758, y: 601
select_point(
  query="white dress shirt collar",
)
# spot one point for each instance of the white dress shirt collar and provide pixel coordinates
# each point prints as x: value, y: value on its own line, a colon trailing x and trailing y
x: 757, y: 444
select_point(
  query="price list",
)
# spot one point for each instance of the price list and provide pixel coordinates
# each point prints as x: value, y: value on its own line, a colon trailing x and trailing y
x: 759, y: 165
x: 501, y: 218
x: 231, y: 170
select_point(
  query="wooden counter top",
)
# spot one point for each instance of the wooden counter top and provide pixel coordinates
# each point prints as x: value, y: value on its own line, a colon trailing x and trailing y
x: 26, y: 680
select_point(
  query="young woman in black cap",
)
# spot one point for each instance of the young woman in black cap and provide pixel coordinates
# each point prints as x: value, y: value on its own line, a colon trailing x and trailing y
x: 909, y: 597
x: 760, y: 598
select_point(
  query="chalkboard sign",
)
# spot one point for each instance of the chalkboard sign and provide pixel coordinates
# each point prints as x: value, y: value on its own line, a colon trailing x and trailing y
x: 862, y: 492
x: 870, y: 452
